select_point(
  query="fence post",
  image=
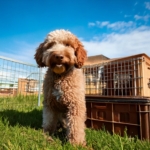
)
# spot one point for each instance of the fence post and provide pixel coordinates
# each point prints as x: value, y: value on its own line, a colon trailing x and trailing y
x: 39, y: 92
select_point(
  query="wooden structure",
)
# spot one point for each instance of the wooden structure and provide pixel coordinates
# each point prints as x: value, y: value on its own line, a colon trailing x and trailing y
x: 27, y: 86
x: 5, y: 92
x: 95, y: 59
x: 127, y: 76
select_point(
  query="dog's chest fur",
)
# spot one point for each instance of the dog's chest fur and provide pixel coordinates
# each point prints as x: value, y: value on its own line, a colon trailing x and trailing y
x: 57, y: 91
x: 61, y: 89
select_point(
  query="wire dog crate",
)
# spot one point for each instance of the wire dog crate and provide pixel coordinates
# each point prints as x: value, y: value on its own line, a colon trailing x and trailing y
x: 118, y: 95
x: 128, y: 76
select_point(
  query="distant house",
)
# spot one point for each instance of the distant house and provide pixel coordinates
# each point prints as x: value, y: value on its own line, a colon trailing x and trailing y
x: 27, y: 86
x: 96, y: 59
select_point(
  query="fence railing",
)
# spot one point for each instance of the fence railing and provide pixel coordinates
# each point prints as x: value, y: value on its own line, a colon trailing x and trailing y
x: 19, y: 78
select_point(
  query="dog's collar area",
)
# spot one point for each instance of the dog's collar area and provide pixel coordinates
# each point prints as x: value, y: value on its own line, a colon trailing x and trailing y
x: 57, y: 92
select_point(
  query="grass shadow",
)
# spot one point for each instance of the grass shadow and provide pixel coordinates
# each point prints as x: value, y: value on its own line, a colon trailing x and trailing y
x: 60, y: 134
x: 31, y: 119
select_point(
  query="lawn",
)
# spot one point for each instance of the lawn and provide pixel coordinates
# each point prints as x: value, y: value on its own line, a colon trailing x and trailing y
x: 20, y: 129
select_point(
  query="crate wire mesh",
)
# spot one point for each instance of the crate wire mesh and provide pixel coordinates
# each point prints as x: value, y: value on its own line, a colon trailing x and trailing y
x: 115, y: 78
x: 18, y: 78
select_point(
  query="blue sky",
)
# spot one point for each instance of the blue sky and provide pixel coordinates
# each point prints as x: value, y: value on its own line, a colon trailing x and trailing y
x: 114, y: 28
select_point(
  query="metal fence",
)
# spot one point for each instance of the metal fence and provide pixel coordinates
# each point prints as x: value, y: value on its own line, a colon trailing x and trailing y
x: 19, y: 78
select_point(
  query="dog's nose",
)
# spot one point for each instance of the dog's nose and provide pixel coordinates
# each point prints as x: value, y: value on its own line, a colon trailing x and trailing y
x: 59, y: 57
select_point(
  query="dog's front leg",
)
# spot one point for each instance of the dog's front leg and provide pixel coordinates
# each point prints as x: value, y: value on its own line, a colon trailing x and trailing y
x: 49, y: 120
x: 76, y: 125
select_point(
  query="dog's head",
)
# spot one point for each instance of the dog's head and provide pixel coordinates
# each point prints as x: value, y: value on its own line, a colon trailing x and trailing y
x: 60, y: 51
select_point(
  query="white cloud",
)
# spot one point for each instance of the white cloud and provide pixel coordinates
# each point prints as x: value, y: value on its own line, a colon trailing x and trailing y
x: 145, y: 18
x: 120, y: 45
x: 114, y: 26
x: 91, y: 24
x: 112, y: 45
x: 120, y: 25
x: 147, y: 5
x: 102, y: 24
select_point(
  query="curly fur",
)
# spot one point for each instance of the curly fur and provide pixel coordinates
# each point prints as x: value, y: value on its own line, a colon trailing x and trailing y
x: 64, y: 91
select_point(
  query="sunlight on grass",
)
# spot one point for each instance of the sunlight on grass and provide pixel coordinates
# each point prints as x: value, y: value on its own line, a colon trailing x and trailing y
x: 20, y: 129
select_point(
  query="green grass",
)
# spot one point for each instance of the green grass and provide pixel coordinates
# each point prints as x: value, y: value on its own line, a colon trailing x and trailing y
x: 20, y: 129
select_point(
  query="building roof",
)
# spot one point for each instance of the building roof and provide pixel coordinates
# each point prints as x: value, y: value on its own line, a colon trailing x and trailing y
x: 95, y: 59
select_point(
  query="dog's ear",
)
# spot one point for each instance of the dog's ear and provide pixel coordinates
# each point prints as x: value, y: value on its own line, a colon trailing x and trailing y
x: 81, y: 55
x: 39, y: 55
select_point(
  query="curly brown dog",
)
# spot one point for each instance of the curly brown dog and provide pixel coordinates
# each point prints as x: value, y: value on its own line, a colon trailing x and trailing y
x: 64, y: 85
